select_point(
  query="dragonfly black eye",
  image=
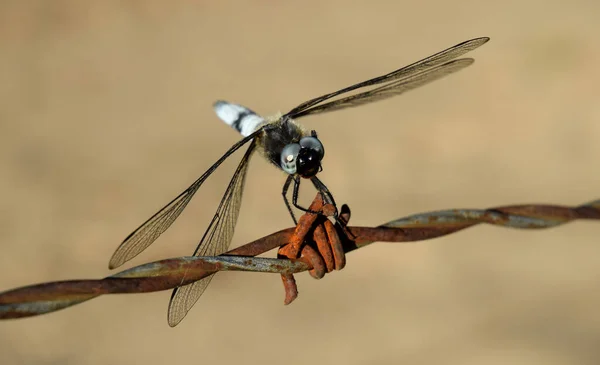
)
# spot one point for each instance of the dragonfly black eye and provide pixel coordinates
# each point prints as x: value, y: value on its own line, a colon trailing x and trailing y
x: 308, y: 162
x: 313, y: 143
x: 289, y: 156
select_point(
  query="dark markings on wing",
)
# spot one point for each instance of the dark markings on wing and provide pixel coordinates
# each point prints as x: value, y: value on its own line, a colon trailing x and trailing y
x: 392, y: 89
x: 215, y: 241
x: 404, y: 72
x: 150, y: 230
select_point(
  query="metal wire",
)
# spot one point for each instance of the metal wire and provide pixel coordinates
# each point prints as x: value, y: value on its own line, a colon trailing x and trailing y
x: 170, y: 273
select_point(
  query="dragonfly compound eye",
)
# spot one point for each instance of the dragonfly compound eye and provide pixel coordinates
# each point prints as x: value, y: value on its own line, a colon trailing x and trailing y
x: 289, y: 157
x: 313, y: 143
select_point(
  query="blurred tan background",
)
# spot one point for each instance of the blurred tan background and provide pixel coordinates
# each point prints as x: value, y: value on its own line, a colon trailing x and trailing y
x: 105, y: 115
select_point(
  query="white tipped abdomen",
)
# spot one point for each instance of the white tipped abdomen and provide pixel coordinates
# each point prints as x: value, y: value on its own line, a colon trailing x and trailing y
x: 238, y: 117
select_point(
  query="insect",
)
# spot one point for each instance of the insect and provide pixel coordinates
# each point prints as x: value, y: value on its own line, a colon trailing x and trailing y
x: 289, y: 147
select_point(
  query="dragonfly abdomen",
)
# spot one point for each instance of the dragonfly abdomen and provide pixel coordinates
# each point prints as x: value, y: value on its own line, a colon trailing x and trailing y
x: 238, y: 117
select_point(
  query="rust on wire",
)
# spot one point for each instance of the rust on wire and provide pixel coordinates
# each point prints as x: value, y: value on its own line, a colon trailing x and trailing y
x: 320, y: 245
x: 324, y: 252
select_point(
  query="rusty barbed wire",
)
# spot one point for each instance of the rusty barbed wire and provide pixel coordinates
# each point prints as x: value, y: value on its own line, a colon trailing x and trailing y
x: 167, y: 274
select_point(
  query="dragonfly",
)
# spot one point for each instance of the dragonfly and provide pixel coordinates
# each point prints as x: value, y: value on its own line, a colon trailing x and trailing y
x: 289, y: 147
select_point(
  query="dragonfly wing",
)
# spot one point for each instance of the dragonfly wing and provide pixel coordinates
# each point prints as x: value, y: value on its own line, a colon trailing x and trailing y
x: 150, y: 230
x: 391, y: 89
x: 414, y: 68
x: 215, y: 241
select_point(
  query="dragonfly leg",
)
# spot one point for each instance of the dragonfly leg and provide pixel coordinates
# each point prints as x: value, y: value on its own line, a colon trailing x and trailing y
x: 295, y: 197
x: 326, y: 195
x: 286, y: 188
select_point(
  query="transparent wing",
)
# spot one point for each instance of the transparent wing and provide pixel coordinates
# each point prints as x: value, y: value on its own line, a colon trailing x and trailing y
x: 150, y: 230
x: 391, y: 89
x: 407, y: 71
x: 215, y: 241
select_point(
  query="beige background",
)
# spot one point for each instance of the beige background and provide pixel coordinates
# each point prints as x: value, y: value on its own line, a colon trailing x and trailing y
x: 105, y: 115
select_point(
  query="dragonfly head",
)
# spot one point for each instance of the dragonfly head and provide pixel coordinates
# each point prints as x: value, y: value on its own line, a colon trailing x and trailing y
x: 303, y: 158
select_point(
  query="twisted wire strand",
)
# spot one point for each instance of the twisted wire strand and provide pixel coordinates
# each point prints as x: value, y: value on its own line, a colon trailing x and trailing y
x: 167, y: 274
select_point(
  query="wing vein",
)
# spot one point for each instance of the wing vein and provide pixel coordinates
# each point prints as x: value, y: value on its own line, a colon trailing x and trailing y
x: 216, y: 240
x: 391, y: 89
x: 406, y: 71
x: 151, y: 229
